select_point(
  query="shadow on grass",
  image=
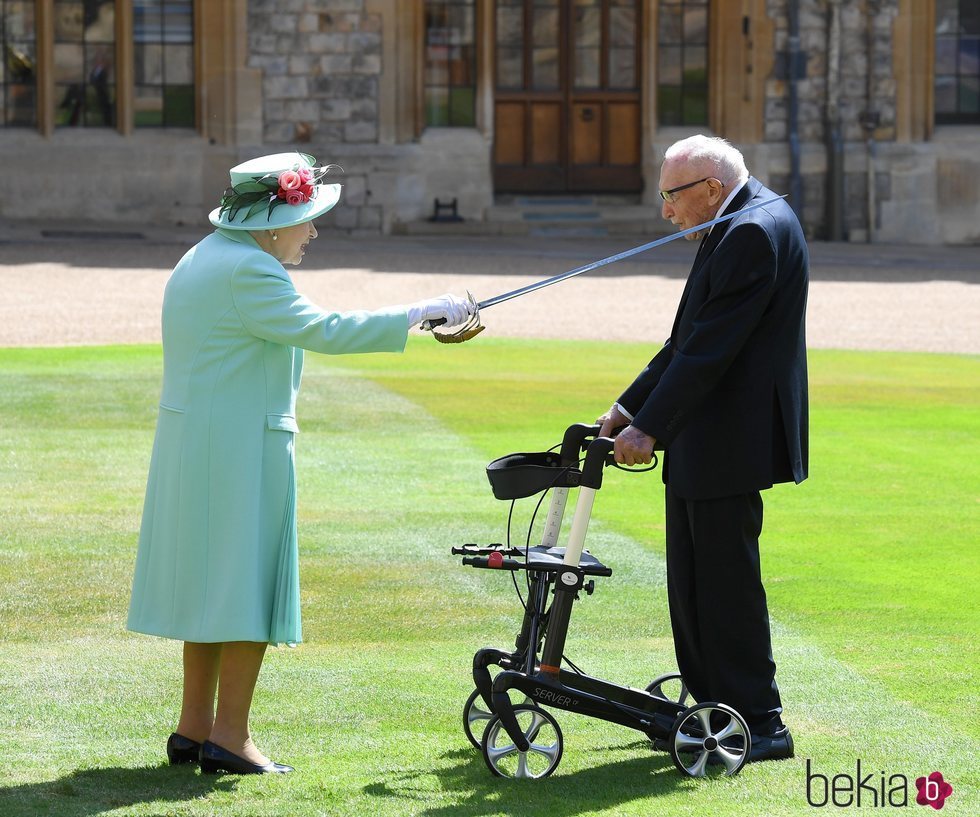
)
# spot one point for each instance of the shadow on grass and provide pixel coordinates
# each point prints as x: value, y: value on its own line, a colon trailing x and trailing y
x: 86, y: 792
x: 477, y: 792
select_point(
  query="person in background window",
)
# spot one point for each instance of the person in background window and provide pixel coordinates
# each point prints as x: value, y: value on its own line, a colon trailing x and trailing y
x: 98, y: 79
x: 217, y: 565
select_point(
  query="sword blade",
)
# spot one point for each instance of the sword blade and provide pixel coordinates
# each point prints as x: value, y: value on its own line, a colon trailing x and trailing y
x: 547, y: 282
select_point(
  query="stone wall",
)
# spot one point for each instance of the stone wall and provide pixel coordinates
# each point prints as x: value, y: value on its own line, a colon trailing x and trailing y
x: 321, y: 63
x: 865, y: 106
x: 321, y: 66
x: 855, y: 97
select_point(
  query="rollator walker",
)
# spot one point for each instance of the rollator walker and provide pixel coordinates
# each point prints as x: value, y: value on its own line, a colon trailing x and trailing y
x: 523, y: 739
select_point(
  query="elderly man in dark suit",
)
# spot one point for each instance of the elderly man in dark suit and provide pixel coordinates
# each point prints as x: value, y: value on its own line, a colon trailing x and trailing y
x: 727, y: 398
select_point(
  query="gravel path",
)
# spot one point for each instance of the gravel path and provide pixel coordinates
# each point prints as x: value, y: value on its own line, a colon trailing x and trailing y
x: 75, y: 290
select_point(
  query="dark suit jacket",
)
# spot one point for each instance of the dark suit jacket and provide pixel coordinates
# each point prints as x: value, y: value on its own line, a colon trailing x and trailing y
x: 727, y: 394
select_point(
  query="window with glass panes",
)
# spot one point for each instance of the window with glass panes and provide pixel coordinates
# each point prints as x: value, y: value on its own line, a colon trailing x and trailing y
x: 163, y: 56
x: 450, y: 63
x: 957, y: 85
x: 71, y: 47
x: 84, y: 63
x: 682, y: 62
x: 18, y: 68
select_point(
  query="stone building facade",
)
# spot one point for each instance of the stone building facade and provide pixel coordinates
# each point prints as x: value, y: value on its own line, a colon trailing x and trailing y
x: 844, y: 104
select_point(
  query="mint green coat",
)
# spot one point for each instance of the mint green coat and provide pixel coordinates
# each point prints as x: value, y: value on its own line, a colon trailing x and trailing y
x: 218, y: 557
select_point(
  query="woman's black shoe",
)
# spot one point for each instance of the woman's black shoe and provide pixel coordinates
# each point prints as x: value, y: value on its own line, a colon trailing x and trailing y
x: 182, y: 750
x: 214, y: 760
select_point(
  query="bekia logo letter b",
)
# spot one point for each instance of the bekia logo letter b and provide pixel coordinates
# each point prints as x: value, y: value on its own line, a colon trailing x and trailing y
x: 933, y: 790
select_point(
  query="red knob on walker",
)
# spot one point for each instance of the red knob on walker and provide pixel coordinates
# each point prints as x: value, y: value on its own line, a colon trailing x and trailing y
x: 495, y: 559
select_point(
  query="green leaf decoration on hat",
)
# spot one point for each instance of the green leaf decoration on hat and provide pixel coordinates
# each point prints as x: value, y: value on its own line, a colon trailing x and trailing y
x: 265, y: 192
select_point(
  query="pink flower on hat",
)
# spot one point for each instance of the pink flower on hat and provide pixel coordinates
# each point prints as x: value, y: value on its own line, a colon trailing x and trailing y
x: 296, y: 186
x: 289, y: 180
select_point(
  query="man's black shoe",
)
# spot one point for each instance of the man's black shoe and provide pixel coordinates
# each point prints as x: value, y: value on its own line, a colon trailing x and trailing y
x: 777, y: 746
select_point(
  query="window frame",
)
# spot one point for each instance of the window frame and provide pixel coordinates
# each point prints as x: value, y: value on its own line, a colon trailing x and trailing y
x: 164, y: 85
x: 709, y: 58
x: 125, y: 70
x: 6, y: 83
x: 475, y: 44
x: 958, y: 117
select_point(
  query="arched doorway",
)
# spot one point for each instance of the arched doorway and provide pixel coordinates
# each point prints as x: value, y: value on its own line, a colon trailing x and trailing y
x: 567, y: 114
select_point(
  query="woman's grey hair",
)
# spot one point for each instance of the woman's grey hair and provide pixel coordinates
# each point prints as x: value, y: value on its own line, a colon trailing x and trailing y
x: 716, y: 155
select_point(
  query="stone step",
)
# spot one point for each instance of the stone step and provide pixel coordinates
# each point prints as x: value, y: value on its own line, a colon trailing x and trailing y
x: 553, y: 216
x: 639, y: 227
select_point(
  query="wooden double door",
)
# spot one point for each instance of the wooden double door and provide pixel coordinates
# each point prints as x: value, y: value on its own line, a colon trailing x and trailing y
x: 567, y: 95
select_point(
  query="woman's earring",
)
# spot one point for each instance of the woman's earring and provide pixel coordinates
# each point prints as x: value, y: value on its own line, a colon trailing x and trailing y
x: 275, y: 237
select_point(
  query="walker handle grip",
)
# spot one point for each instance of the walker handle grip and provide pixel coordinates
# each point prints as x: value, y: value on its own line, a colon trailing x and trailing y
x: 573, y: 443
x: 599, y: 455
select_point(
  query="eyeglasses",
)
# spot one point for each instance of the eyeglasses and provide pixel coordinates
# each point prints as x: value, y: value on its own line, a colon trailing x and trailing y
x: 668, y: 195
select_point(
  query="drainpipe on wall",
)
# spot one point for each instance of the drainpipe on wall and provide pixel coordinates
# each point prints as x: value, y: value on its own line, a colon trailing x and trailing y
x: 832, y: 128
x: 795, y: 181
x: 870, y: 119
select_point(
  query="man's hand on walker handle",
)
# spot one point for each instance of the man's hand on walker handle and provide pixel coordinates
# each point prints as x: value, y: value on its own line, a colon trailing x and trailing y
x: 612, y: 421
x: 633, y: 447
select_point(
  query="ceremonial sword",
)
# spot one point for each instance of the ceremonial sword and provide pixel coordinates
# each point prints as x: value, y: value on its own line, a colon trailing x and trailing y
x: 547, y: 282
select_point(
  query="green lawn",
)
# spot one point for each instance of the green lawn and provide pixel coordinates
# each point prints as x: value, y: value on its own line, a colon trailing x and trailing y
x: 871, y: 569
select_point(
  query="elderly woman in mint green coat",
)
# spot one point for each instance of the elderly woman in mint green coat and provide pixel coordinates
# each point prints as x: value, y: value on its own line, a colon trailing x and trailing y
x: 217, y: 565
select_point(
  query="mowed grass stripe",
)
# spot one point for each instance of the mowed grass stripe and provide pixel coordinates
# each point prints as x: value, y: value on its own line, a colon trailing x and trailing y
x: 874, y: 558
x: 369, y: 708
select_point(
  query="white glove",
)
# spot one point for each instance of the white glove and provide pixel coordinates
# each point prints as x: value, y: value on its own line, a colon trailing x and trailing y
x: 455, y: 310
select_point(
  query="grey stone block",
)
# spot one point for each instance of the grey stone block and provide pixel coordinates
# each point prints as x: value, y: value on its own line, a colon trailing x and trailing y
x: 366, y: 64
x: 275, y: 110
x: 344, y: 217
x: 260, y: 43
x: 332, y: 110
x: 335, y: 87
x: 271, y: 66
x: 304, y: 65
x: 342, y: 5
x: 336, y: 64
x: 339, y: 22
x: 365, y: 43
x: 328, y: 43
x: 364, y: 110
x: 360, y: 132
x: 279, y: 132
x: 283, y: 23
x: 370, y: 218
x: 355, y: 190
x: 308, y: 23
x: 303, y: 110
x: 286, y: 87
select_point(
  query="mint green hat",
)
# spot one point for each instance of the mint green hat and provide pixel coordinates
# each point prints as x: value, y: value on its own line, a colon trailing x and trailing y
x: 276, y: 191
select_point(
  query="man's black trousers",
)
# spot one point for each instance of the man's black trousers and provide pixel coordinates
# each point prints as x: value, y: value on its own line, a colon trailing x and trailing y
x: 718, y: 607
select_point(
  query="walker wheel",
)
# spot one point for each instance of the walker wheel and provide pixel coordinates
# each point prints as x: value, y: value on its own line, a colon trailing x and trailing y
x: 475, y: 717
x: 542, y: 757
x: 670, y: 687
x: 709, y: 734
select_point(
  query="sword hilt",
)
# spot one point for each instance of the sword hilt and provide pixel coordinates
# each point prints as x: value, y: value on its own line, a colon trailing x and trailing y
x: 428, y: 326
